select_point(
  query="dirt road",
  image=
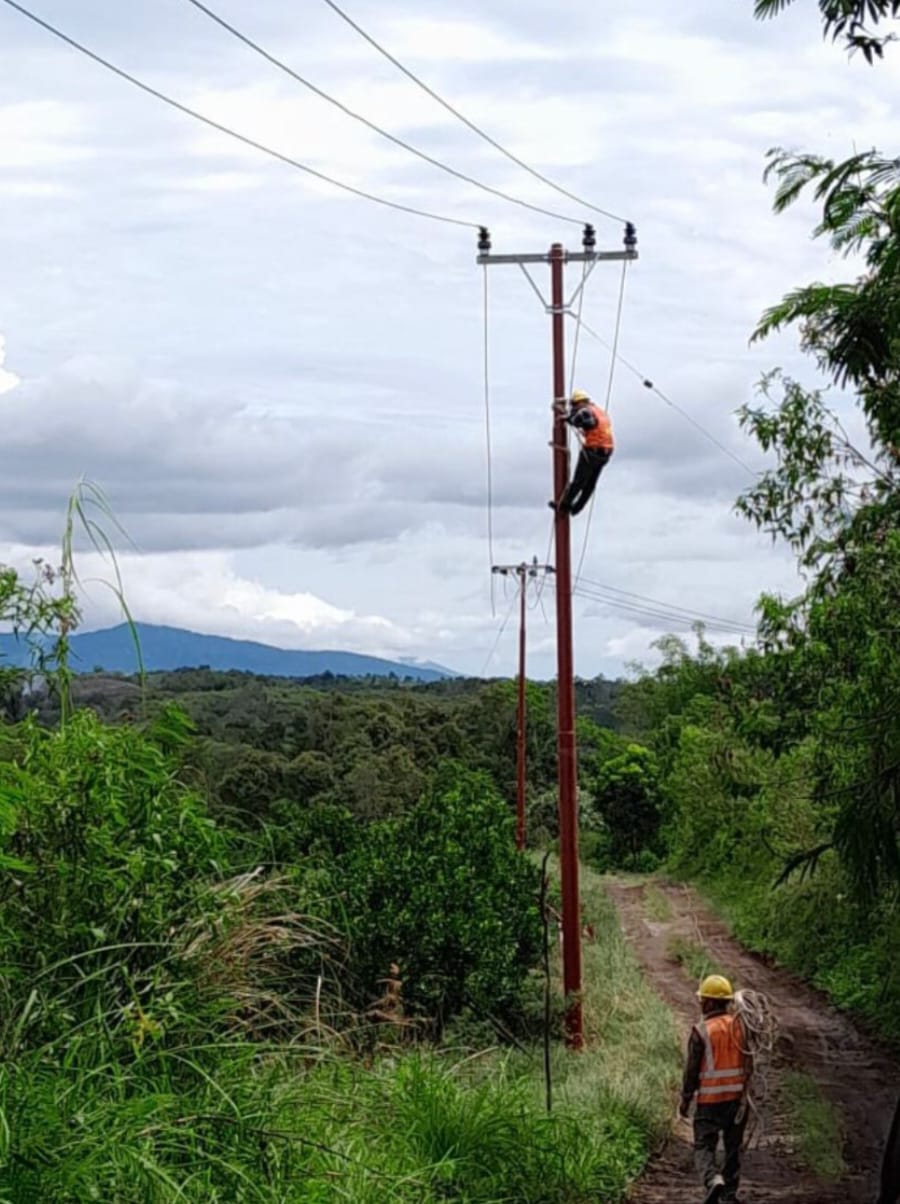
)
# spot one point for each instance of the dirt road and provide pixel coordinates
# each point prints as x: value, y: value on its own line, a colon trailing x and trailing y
x: 860, y: 1081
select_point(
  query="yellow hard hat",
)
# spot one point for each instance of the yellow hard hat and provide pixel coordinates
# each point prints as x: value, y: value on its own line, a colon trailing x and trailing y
x: 715, y: 987
x: 578, y: 397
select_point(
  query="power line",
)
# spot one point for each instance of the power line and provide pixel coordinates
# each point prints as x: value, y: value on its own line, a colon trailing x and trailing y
x: 609, y: 388
x: 663, y: 618
x: 661, y: 613
x: 465, y: 120
x: 224, y: 129
x: 614, y: 356
x: 648, y: 384
x: 487, y: 432
x: 407, y: 146
x: 686, y: 610
x: 490, y: 655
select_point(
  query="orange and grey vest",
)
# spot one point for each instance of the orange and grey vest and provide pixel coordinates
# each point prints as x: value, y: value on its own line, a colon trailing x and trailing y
x: 723, y: 1074
x: 599, y: 435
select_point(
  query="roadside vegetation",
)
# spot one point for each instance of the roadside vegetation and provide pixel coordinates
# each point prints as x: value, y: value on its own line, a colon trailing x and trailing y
x: 221, y: 995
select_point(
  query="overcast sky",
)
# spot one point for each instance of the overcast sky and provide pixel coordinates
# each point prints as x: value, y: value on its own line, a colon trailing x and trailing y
x: 279, y: 386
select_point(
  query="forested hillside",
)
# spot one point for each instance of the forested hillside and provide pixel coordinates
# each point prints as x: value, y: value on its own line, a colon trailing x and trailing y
x: 268, y: 748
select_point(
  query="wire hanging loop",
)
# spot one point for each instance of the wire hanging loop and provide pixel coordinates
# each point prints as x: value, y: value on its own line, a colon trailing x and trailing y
x: 585, y: 273
x: 613, y: 360
x: 614, y: 353
x: 484, y: 237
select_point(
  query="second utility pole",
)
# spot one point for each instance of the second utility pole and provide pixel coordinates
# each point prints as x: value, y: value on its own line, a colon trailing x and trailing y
x: 523, y: 572
x: 565, y: 685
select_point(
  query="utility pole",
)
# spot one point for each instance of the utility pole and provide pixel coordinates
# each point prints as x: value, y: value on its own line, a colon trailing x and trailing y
x: 558, y: 308
x: 523, y: 572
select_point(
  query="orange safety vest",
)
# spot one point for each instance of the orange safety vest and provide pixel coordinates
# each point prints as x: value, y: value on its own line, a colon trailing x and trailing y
x: 723, y: 1075
x: 599, y: 436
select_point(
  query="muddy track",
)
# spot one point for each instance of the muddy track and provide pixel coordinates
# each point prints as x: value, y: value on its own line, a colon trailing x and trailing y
x: 858, y: 1078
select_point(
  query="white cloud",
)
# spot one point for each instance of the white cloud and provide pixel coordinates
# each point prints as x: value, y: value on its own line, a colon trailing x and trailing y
x: 437, y: 41
x: 282, y: 394
x: 8, y: 380
x: 42, y: 134
x: 202, y: 591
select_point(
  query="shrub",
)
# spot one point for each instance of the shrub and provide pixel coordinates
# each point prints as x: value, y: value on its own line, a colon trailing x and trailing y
x: 443, y: 893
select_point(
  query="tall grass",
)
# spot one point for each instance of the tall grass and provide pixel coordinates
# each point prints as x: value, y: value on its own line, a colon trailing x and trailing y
x: 816, y: 1125
x: 695, y: 959
x: 195, y: 1116
x: 232, y: 1124
x: 632, y: 1060
x: 656, y: 905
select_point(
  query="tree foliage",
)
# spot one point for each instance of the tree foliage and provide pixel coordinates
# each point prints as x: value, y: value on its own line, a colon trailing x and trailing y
x: 443, y: 894
x: 628, y: 800
x: 837, y: 504
x: 853, y: 20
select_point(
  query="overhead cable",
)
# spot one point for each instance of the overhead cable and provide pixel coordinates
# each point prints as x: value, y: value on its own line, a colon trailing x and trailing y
x: 648, y: 384
x: 407, y: 146
x: 686, y: 610
x: 496, y: 645
x: 476, y: 129
x: 660, y: 613
x: 242, y: 138
x: 487, y: 432
x: 613, y: 359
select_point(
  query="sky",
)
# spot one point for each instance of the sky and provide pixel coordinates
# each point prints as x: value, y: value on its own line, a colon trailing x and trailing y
x: 280, y: 387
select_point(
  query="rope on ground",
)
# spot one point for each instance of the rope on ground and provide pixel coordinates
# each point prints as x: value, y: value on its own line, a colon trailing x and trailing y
x: 613, y: 360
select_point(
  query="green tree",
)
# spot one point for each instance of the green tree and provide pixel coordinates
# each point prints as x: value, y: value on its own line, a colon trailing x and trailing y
x: 852, y: 20
x: 308, y: 775
x: 443, y: 893
x: 627, y: 797
x: 253, y: 780
x: 838, y: 506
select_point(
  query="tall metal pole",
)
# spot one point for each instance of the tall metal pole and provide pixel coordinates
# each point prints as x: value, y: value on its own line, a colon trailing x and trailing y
x: 568, y: 797
x: 520, y: 718
x: 565, y: 687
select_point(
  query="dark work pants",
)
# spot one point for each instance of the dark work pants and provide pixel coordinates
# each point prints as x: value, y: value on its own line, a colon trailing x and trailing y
x: 591, y: 463
x: 711, y: 1121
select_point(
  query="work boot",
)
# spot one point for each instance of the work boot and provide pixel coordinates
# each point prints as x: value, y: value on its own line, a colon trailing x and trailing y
x: 714, y: 1195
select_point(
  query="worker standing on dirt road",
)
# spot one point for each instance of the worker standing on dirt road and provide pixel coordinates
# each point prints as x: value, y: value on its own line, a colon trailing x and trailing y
x: 718, y: 1072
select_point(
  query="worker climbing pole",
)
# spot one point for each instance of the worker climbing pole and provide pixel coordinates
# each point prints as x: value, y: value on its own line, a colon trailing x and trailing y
x: 567, y: 771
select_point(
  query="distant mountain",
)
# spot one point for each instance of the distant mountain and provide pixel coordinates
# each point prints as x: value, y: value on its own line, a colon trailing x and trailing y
x: 174, y: 648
